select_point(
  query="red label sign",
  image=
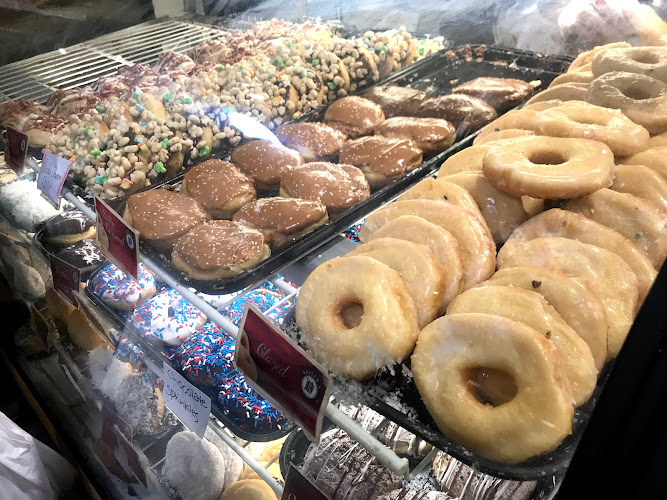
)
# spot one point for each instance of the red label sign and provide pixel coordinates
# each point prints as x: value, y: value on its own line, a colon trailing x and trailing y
x: 299, y: 487
x: 116, y: 433
x: 118, y: 240
x: 16, y: 149
x: 282, y: 372
x: 66, y: 278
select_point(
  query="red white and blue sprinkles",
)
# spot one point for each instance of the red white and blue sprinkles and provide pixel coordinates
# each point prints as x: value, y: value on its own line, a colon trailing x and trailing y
x: 113, y: 286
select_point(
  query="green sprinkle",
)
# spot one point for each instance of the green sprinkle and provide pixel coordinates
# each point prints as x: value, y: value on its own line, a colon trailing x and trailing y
x: 95, y: 153
x: 316, y: 62
x: 164, y: 143
x: 331, y: 85
x: 221, y: 67
x: 279, y: 63
x: 204, y: 151
x: 99, y: 108
x: 290, y: 45
x: 186, y: 100
x: 420, y: 50
x: 384, y: 48
x: 168, y: 96
x: 100, y: 179
x: 159, y: 167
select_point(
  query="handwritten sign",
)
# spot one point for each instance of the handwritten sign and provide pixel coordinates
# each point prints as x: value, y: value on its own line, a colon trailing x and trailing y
x: 118, y: 240
x: 299, y: 487
x: 188, y: 403
x: 16, y: 149
x: 282, y: 372
x: 52, y: 176
x: 66, y: 278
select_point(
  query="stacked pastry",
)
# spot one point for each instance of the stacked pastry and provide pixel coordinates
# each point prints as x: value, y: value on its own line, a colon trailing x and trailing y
x: 569, y: 282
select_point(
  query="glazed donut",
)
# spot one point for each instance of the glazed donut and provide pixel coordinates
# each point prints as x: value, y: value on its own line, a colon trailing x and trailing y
x: 532, y: 309
x: 565, y: 92
x: 439, y: 241
x: 120, y: 291
x: 469, y: 159
x: 572, y: 77
x: 167, y: 317
x: 578, y: 307
x: 563, y: 224
x: 643, y: 182
x: 534, y: 422
x: 639, y: 220
x: 651, y: 61
x: 587, y: 121
x: 587, y: 57
x: 475, y: 241
x: 658, y: 141
x: 417, y: 267
x: 542, y: 105
x: 501, y: 135
x: 641, y: 98
x: 502, y: 212
x: 327, y: 313
x: 519, y: 118
x: 655, y: 158
x: 549, y: 167
x: 441, y: 190
x: 611, y: 279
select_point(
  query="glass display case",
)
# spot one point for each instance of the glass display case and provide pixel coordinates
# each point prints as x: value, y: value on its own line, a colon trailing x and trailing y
x: 457, y: 212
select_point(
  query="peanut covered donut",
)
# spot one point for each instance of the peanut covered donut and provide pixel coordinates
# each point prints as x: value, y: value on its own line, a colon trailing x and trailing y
x: 428, y: 134
x: 587, y: 121
x: 641, y: 98
x: 532, y: 309
x: 533, y: 422
x: 356, y: 316
x: 264, y: 162
x: 418, y: 269
x: 651, y: 61
x: 549, y: 167
x: 643, y: 182
x: 354, y: 116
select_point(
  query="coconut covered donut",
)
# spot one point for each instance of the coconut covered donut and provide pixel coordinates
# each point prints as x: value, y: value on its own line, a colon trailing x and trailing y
x: 533, y: 422
x: 611, y: 279
x: 549, y: 167
x: 643, y: 182
x: 651, y: 61
x: 587, y: 121
x: 419, y: 270
x: 641, y: 98
x: 356, y: 316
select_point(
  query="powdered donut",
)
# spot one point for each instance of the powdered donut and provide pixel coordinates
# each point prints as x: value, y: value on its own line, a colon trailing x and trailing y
x: 588, y: 56
x: 643, y: 182
x: 578, y: 307
x: 469, y: 159
x: 327, y: 312
x: 474, y: 239
x: 534, y: 422
x: 549, y: 167
x: 611, y: 279
x: 639, y: 220
x: 651, y: 61
x: 654, y: 158
x: 440, y: 242
x: 564, y: 92
x: 533, y: 310
x: 563, y: 224
x: 502, y: 212
x: 121, y: 291
x: 641, y: 98
x: 233, y: 463
x: 501, y: 135
x: 586, y: 121
x: 419, y: 270
x: 195, y: 467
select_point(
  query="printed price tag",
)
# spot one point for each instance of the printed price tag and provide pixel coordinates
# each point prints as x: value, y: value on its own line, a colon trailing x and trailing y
x: 16, y: 149
x: 282, y: 372
x: 66, y: 278
x: 118, y: 240
x: 52, y: 176
x: 39, y: 324
x: 299, y: 487
x: 187, y: 402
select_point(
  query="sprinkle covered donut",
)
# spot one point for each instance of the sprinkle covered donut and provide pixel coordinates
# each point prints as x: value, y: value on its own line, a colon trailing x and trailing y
x: 120, y: 291
x: 168, y: 317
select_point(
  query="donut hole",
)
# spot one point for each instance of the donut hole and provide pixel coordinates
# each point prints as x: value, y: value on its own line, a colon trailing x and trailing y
x: 637, y: 93
x: 351, y: 314
x: 491, y: 386
x: 645, y: 57
x: 547, y: 158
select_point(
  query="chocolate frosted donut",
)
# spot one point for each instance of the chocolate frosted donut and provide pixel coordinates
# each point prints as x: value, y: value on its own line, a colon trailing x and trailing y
x: 162, y: 216
x: 219, y: 249
x: 264, y: 162
x: 395, y: 100
x: 353, y: 115
x: 501, y: 93
x: 428, y: 134
x: 382, y: 160
x: 339, y: 187
x: 463, y: 111
x: 84, y: 254
x: 282, y: 220
x: 68, y: 228
x: 315, y: 141
x: 219, y: 186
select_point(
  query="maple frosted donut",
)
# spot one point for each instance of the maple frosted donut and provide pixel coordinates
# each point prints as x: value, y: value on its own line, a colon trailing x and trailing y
x: 549, y: 167
x: 314, y: 141
x: 641, y: 98
x: 641, y: 181
x: 428, y: 134
x: 439, y: 241
x: 354, y: 116
x: 587, y: 121
x: 419, y: 270
x: 356, y: 316
x: 264, y: 162
x: 121, y: 291
x: 500, y: 135
x: 651, y: 61
x: 533, y: 422
x: 572, y: 91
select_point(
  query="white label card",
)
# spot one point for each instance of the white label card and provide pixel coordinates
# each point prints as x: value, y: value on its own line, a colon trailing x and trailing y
x: 52, y: 176
x: 188, y: 403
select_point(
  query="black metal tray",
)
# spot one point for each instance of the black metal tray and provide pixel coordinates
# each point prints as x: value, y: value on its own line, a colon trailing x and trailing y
x: 396, y: 397
x: 157, y: 356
